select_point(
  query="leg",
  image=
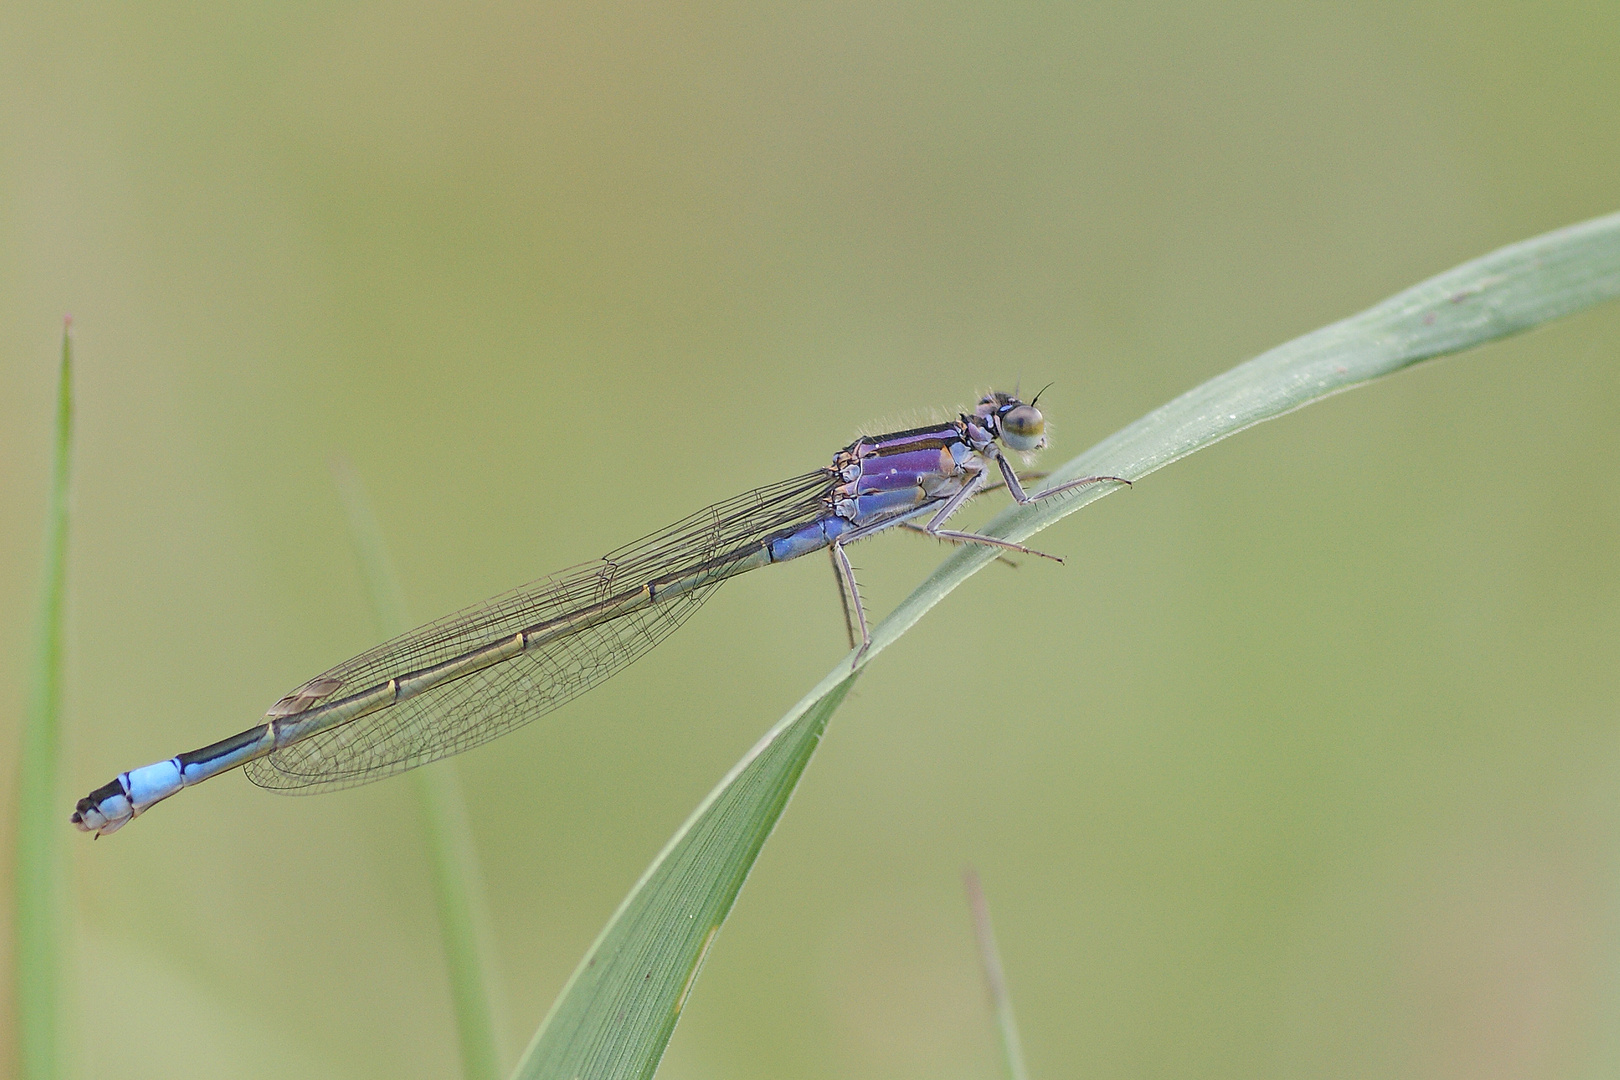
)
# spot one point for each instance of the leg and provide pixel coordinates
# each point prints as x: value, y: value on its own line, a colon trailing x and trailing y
x: 847, y: 584
x: 997, y: 485
x: 920, y: 531
x: 954, y: 503
x: 988, y: 541
x: 1016, y: 490
x: 843, y: 596
x: 848, y: 587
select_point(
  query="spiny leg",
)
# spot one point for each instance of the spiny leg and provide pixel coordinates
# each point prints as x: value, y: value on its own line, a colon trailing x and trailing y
x: 1016, y: 490
x: 849, y: 588
x: 846, y: 574
x: 995, y: 485
x: 920, y: 531
x: 1024, y: 478
x: 843, y: 595
x: 989, y: 541
x: 954, y: 503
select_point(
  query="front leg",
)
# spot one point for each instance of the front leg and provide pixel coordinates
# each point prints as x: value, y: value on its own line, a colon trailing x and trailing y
x: 1023, y: 478
x: 1016, y: 490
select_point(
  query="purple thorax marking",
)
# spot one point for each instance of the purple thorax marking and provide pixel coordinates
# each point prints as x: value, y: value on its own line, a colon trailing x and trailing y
x: 891, y: 477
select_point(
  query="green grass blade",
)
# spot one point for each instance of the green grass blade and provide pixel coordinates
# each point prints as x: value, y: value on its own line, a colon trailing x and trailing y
x: 615, y: 1016
x: 40, y: 946
x: 995, y: 980
x: 617, y: 1012
x: 1511, y: 290
x: 457, y: 877
x: 463, y: 918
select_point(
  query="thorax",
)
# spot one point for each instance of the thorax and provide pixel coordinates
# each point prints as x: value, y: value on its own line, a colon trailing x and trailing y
x: 882, y: 476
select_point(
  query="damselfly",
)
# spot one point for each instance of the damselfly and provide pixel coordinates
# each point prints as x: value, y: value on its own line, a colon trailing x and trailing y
x: 453, y: 684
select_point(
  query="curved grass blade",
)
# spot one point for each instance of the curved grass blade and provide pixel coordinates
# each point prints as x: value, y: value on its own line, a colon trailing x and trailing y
x: 1509, y: 291
x: 615, y: 1016
x: 452, y: 855
x: 617, y: 1012
x: 39, y: 950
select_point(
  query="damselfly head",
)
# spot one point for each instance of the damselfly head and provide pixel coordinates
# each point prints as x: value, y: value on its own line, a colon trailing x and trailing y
x: 1021, y: 426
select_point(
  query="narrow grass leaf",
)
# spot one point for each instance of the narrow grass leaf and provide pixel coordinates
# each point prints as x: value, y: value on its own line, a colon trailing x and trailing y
x: 452, y: 855
x: 616, y: 1014
x: 995, y: 981
x: 1511, y: 290
x: 40, y: 947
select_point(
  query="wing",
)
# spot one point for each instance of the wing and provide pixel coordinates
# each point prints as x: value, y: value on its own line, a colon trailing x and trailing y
x: 460, y: 714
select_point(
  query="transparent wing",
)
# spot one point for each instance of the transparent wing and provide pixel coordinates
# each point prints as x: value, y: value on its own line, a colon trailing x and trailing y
x: 465, y: 712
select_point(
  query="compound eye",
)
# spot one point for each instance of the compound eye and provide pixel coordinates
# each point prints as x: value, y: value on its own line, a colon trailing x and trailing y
x: 1023, y: 428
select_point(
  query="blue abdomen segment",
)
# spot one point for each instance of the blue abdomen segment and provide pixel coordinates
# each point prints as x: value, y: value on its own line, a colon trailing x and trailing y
x: 812, y: 537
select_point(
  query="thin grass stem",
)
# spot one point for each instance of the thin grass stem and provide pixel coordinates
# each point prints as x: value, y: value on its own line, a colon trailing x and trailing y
x: 995, y: 981
x: 452, y: 853
x: 40, y: 889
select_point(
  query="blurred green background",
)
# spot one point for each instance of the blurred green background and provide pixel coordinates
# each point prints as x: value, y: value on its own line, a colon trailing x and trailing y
x: 1305, y: 765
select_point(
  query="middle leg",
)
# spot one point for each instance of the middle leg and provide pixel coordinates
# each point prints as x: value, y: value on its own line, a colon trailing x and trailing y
x: 955, y: 503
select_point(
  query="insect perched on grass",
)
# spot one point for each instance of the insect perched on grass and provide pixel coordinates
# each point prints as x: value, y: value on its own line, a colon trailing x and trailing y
x: 469, y: 677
